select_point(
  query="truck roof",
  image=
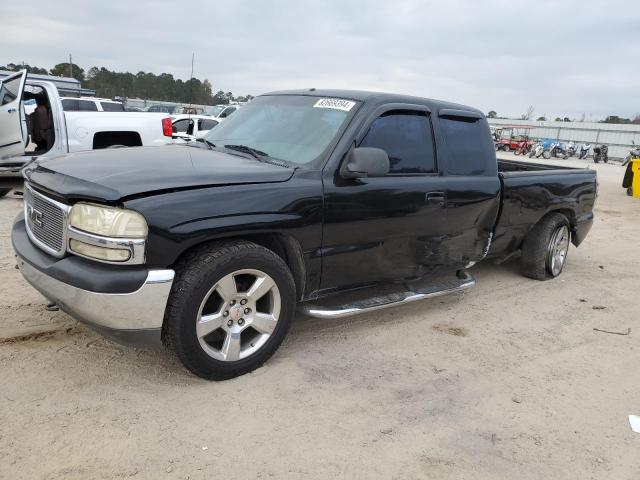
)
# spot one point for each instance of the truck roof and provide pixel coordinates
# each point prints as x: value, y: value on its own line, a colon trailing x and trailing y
x: 376, y: 98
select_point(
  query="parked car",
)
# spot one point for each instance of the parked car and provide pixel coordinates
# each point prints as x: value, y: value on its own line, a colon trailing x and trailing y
x: 221, y: 111
x: 294, y: 201
x: 191, y: 127
x: 54, y: 131
x: 90, y: 104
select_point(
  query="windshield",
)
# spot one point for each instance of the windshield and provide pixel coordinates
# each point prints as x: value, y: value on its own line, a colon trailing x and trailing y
x: 295, y: 129
x: 214, y: 111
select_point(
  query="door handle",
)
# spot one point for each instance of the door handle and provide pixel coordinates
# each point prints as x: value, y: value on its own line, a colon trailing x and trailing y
x: 438, y: 199
x: 11, y: 110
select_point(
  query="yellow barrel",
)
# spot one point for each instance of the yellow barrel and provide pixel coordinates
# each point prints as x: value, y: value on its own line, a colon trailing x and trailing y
x: 635, y: 183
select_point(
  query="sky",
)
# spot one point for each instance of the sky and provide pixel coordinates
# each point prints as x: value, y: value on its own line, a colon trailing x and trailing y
x: 564, y: 57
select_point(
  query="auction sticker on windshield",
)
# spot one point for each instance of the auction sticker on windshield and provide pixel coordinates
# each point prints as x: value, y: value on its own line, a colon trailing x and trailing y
x: 336, y: 103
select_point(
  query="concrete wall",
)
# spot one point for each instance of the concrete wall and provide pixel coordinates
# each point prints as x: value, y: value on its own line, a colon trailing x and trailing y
x: 618, y: 137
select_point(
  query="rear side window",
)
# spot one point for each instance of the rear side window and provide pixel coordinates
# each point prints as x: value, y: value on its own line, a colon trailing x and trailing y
x: 406, y: 137
x: 69, y: 105
x: 112, y: 107
x: 228, y: 111
x: 9, y: 91
x: 471, y: 150
x: 206, y: 124
x: 182, y: 126
x: 74, y: 105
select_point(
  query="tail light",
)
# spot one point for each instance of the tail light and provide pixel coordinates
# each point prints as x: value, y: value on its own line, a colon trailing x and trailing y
x: 167, y: 127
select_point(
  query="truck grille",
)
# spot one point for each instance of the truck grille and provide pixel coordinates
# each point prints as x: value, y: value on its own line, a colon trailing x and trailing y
x: 46, y: 221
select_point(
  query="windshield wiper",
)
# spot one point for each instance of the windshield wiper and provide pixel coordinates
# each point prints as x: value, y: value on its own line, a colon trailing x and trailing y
x: 257, y: 154
x: 209, y: 145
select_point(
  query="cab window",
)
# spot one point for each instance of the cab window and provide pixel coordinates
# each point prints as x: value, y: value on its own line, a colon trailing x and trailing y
x: 407, y: 138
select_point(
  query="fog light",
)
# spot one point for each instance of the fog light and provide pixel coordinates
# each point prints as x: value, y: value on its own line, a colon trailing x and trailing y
x: 101, y: 253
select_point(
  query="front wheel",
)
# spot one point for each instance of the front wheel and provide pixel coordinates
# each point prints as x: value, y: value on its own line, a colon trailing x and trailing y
x: 518, y: 151
x: 547, y: 154
x: 229, y: 310
x: 545, y: 248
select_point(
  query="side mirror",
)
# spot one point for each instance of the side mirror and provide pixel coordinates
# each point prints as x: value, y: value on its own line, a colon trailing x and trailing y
x: 365, y: 162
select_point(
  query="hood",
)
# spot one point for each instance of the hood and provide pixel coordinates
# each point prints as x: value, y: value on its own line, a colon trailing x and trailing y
x: 111, y: 175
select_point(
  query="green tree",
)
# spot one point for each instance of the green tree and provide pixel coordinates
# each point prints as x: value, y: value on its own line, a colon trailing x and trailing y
x: 616, y: 119
x: 15, y: 67
x: 492, y: 114
x: 68, y: 70
x: 541, y: 119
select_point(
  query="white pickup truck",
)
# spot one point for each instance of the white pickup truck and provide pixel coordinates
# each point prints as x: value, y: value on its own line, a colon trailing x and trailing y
x: 50, y: 130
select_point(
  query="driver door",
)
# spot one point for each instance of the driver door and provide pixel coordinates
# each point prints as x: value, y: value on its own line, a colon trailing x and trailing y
x: 13, y: 134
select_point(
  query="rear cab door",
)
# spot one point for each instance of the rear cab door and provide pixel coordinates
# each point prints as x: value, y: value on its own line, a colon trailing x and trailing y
x: 468, y: 163
x: 13, y: 133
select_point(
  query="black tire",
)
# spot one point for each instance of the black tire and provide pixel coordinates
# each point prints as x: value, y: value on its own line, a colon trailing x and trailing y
x: 630, y: 191
x: 518, y: 151
x: 532, y: 153
x: 196, y: 273
x: 506, y: 148
x: 536, y: 247
x: 546, y: 154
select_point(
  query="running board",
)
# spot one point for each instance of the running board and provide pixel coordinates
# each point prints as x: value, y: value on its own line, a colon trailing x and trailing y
x: 464, y: 281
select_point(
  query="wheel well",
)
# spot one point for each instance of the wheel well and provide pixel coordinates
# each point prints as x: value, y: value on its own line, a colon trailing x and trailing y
x: 108, y: 139
x: 285, y: 246
x: 568, y: 214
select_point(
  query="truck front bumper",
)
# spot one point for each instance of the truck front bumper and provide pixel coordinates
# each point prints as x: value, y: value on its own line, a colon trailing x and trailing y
x: 129, y: 317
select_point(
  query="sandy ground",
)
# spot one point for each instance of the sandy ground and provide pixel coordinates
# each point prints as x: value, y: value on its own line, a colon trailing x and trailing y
x: 507, y: 380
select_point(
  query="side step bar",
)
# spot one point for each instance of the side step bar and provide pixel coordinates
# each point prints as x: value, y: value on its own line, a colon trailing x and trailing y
x: 464, y: 281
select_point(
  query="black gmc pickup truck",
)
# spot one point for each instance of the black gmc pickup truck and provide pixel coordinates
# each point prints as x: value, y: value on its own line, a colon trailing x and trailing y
x: 331, y: 202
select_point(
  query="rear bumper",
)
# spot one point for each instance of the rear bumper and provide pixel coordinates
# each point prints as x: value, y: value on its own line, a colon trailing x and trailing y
x: 130, y: 317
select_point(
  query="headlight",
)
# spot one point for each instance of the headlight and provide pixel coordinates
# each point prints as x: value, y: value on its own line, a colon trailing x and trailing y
x: 107, y: 234
x: 108, y: 221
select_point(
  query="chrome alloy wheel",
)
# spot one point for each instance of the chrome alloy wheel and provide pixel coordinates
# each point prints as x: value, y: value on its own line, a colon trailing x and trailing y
x: 558, y: 247
x: 238, y: 315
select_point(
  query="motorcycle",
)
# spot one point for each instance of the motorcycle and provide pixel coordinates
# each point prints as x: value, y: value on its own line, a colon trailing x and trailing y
x: 536, y: 150
x: 601, y: 152
x: 584, y: 150
x: 570, y: 150
x: 557, y: 150
x: 523, y: 148
x: 547, y: 145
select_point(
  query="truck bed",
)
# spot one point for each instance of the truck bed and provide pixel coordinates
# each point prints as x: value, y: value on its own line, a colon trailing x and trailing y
x: 515, y: 167
x: 531, y: 190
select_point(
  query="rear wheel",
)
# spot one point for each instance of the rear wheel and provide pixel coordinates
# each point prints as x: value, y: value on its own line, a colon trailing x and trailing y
x: 518, y: 151
x: 229, y: 309
x: 544, y: 251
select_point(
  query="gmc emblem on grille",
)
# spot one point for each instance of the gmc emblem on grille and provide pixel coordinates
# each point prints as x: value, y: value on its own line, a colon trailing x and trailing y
x: 35, y: 216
